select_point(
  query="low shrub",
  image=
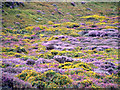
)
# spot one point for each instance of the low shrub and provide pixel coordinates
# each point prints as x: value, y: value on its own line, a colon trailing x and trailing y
x: 48, y: 79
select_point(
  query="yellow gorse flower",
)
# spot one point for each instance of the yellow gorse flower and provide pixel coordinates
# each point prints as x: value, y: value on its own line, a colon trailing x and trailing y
x: 50, y: 23
x: 29, y: 28
x: 95, y: 16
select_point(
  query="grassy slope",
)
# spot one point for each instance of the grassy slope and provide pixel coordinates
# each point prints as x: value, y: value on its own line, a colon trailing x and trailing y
x: 29, y: 15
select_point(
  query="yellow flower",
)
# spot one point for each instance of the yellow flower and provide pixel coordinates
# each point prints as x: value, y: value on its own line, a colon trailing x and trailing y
x: 41, y: 35
x: 29, y: 28
x: 95, y: 16
x: 50, y: 23
x: 42, y: 27
x: 93, y: 86
x: 32, y: 78
x: 57, y: 24
x: 102, y: 23
x: 17, y: 65
x: 64, y: 39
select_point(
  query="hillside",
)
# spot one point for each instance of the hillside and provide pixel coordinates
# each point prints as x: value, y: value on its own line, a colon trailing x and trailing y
x: 41, y: 13
x: 60, y: 45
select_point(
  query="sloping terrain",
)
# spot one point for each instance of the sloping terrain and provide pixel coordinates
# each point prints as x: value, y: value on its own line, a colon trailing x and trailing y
x: 60, y: 45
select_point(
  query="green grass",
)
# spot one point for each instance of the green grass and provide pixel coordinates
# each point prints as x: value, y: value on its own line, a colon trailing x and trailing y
x: 29, y: 15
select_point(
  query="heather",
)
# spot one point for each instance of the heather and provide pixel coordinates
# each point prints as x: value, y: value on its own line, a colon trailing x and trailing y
x: 60, y: 45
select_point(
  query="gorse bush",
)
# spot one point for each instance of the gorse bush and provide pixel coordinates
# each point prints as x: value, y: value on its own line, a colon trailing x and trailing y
x: 68, y: 65
x: 48, y: 79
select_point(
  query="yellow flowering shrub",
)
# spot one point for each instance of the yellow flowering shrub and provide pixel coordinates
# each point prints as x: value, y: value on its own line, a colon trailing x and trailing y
x: 42, y: 27
x: 56, y: 25
x: 52, y: 85
x: 74, y: 34
x: 41, y: 35
x: 83, y: 65
x: 39, y: 84
x: 70, y: 24
x: 109, y: 27
x: 31, y: 79
x: 66, y: 65
x: 57, y: 52
x: 29, y: 28
x: 26, y: 74
x: 95, y: 16
x: 101, y: 23
x: 17, y: 65
x: 50, y: 23
x: 44, y: 80
x: 86, y: 82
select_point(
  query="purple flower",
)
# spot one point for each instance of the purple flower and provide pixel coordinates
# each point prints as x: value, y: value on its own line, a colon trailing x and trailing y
x: 17, y: 23
x: 83, y: 2
x: 82, y: 24
x: 78, y: 15
x: 89, y: 9
x: 52, y: 13
x: 43, y: 12
x: 56, y: 9
x: 30, y: 62
x: 11, y: 7
x: 54, y: 5
x: 72, y: 3
x: 37, y: 28
x: 2, y: 10
x: 38, y: 11
x: 18, y: 15
x: 13, y: 82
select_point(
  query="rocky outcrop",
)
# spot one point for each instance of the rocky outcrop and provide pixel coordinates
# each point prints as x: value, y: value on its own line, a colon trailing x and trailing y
x: 30, y: 62
x: 62, y: 59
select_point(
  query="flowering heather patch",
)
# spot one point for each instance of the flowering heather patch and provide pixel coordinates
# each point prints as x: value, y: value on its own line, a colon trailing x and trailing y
x: 9, y: 81
x: 60, y: 45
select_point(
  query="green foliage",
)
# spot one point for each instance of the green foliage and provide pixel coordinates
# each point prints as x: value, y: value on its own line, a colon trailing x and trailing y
x: 86, y: 82
x: 52, y: 85
x: 7, y: 49
x: 20, y: 50
x: 39, y: 84
x: 3, y: 65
